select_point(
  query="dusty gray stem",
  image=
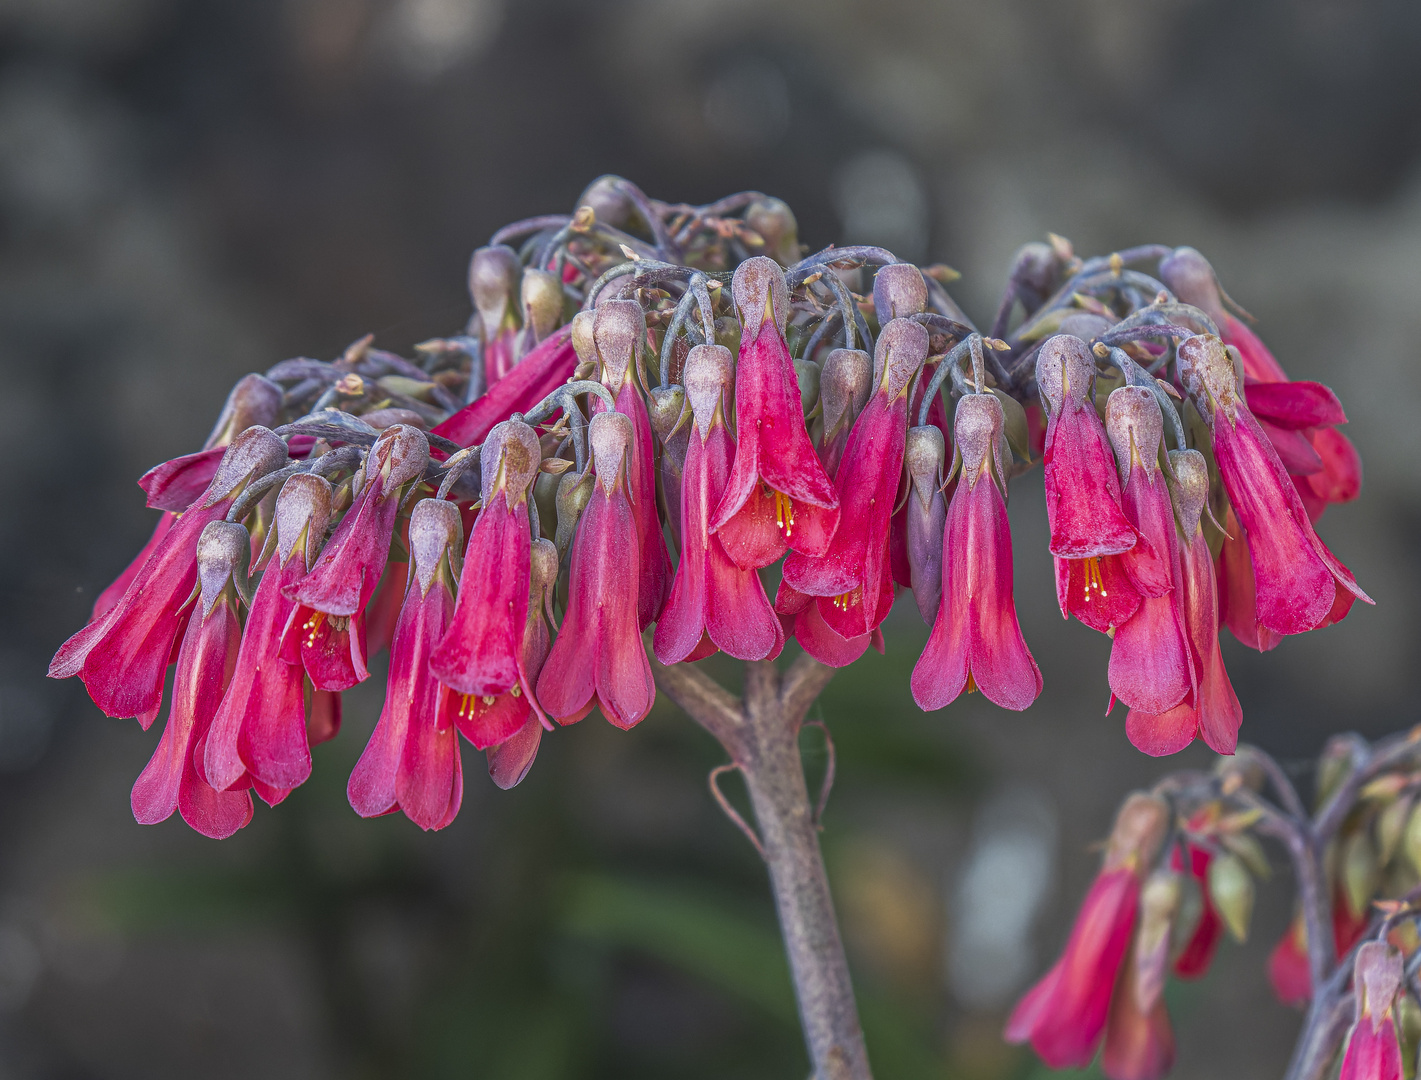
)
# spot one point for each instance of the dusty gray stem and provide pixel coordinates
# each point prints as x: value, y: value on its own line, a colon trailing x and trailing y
x: 761, y: 735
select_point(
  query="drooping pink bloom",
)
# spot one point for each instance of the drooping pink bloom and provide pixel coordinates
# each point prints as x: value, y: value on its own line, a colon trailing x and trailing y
x: 1300, y: 585
x: 1097, y: 591
x: 1150, y: 668
x: 925, y: 517
x: 778, y: 494
x: 598, y: 657
x: 260, y: 730
x: 711, y: 595
x: 1289, y: 974
x: 344, y: 577
x: 1373, y: 1049
x: 122, y: 656
x: 1238, y: 599
x: 1139, y: 1039
x: 1064, y: 1015
x: 976, y: 642
x: 540, y: 373
x: 206, y: 659
x: 482, y: 650
x: 802, y: 618
x: 618, y: 333
x: 1211, y: 710
x: 412, y: 760
x: 489, y: 720
x: 867, y: 486
x: 1082, y: 490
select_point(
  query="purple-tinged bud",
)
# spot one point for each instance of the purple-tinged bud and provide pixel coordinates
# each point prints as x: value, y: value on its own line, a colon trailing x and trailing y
x: 582, y: 341
x: 1135, y: 427
x: 617, y: 332
x: 902, y: 347
x: 898, y: 292
x: 510, y: 460
x: 436, y: 532
x: 1209, y: 375
x: 844, y: 388
x: 494, y: 273
x: 224, y: 551
x: 924, y: 454
x: 542, y: 569
x: 542, y: 299
x: 806, y: 376
x: 1191, y: 487
x: 760, y: 292
x: 1377, y: 973
x: 977, y: 430
x: 399, y: 455
x: 776, y: 225
x: 666, y: 410
x: 380, y: 419
x: 574, y: 492
x: 610, y: 202
x: 610, y: 435
x: 1191, y: 278
x: 1035, y: 269
x: 252, y: 454
x: 303, y: 511
x: 254, y: 401
x: 1065, y: 369
x: 1085, y: 325
x: 710, y: 380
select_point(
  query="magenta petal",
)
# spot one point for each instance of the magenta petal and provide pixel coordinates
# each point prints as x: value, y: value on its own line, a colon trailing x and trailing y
x: 1216, y: 706
x: 350, y: 565
x: 1097, y: 592
x: 510, y: 760
x: 817, y: 639
x: 177, y: 484
x: 1164, y: 733
x: 1082, y: 487
x: 1147, y: 506
x: 1294, y: 450
x: 539, y: 373
x: 655, y: 563
x: 428, y: 782
x: 1294, y: 405
x: 1149, y: 661
x: 1341, y: 477
x: 752, y: 537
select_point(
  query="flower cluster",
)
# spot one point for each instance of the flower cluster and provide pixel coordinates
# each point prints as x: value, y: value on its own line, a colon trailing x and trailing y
x: 1179, y: 870
x: 652, y: 404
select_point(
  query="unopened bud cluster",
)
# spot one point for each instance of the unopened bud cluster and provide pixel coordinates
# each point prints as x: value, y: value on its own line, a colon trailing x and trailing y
x: 651, y: 404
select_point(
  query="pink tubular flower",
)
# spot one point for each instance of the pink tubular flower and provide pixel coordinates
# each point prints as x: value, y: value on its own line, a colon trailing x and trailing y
x: 122, y: 656
x: 618, y: 333
x: 711, y: 595
x: 1300, y: 585
x: 412, y: 760
x: 598, y: 657
x: 542, y: 371
x: 975, y: 641
x: 778, y: 494
x: 1150, y: 668
x: 867, y: 486
x: 488, y: 720
x: 801, y: 617
x: 1211, y: 711
x: 260, y: 729
x: 481, y: 652
x: 206, y: 660
x: 1082, y: 490
x: 1373, y: 1050
x: 344, y: 577
x: 1064, y: 1015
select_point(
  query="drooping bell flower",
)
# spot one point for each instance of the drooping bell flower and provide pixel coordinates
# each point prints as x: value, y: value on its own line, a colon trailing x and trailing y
x: 618, y: 333
x: 779, y: 494
x: 489, y: 720
x: 1300, y: 585
x: 1064, y: 1015
x: 800, y: 616
x: 412, y: 760
x: 260, y: 730
x: 481, y: 652
x: 1289, y: 973
x: 925, y: 517
x: 598, y: 657
x: 206, y: 659
x: 536, y: 376
x: 494, y: 276
x: 1211, y: 711
x: 844, y: 387
x: 1150, y: 667
x: 1082, y: 490
x: 976, y: 642
x: 1097, y: 591
x: 342, y: 581
x: 1373, y: 1049
x: 1139, y: 1040
x: 711, y: 595
x: 867, y: 482
x: 122, y: 656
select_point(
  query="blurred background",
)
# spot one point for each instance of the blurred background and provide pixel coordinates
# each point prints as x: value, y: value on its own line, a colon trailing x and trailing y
x: 191, y: 191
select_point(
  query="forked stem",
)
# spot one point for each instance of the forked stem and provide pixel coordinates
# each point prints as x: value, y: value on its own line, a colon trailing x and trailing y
x: 761, y: 735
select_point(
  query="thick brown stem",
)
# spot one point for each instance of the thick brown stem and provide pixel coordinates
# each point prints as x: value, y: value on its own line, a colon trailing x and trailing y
x: 761, y: 735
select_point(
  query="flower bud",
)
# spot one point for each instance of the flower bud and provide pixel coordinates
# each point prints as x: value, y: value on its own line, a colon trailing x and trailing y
x: 1191, y: 278
x: 898, y: 292
x: 775, y: 222
x: 760, y: 293
x: 1135, y: 427
x: 494, y: 273
x: 1359, y: 872
x: 665, y: 408
x: 844, y: 388
x: 710, y: 381
x: 806, y: 374
x: 1377, y: 974
x: 1140, y: 827
x: 574, y: 492
x: 255, y: 400
x: 610, y: 203
x: 303, y: 511
x: 1065, y: 369
x: 977, y: 431
x: 436, y: 531
x: 1034, y: 270
x: 1190, y: 487
x: 542, y: 302
x: 924, y: 454
x: 1231, y: 890
x: 510, y: 460
x: 224, y: 550
x: 251, y: 455
x: 610, y: 436
x: 399, y: 455
x: 902, y: 347
x: 1159, y: 907
x: 617, y: 332
x: 1209, y: 375
x: 1085, y: 325
x: 1391, y: 827
x: 582, y: 341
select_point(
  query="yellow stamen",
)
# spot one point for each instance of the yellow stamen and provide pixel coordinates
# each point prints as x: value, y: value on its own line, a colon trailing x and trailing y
x: 1093, y: 580
x: 784, y: 513
x: 971, y: 684
x: 313, y: 624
